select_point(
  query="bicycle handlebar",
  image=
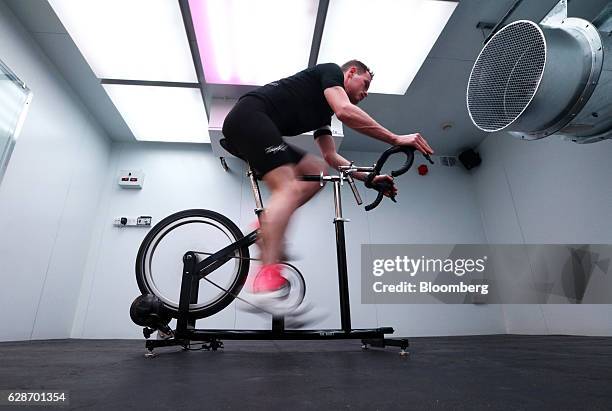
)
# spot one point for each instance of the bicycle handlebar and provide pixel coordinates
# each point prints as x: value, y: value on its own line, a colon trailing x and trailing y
x: 369, y: 181
x: 383, y: 187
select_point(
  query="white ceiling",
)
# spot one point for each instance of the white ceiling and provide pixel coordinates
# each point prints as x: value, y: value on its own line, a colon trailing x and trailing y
x: 436, y: 96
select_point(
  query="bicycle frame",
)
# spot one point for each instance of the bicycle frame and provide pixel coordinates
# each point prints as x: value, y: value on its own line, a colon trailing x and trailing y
x: 222, y: 256
x: 194, y: 271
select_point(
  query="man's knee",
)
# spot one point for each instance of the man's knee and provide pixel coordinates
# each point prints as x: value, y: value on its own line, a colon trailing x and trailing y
x: 308, y: 188
x: 289, y: 188
x: 318, y: 165
x: 285, y: 180
x: 311, y: 165
x: 279, y: 178
x: 295, y: 192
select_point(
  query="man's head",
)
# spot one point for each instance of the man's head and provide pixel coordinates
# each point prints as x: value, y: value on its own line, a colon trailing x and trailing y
x: 357, y: 78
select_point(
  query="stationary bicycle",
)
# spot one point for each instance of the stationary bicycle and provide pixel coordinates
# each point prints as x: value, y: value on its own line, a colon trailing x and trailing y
x: 215, y: 264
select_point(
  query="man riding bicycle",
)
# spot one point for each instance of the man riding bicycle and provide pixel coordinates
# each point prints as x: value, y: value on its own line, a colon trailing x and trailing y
x: 291, y: 106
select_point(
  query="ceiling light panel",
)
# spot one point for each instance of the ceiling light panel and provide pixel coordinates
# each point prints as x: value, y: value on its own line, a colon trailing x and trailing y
x: 392, y: 37
x: 130, y: 40
x: 253, y: 42
x: 171, y: 114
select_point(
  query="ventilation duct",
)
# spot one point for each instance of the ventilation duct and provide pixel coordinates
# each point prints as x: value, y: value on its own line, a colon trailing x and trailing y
x: 535, y: 80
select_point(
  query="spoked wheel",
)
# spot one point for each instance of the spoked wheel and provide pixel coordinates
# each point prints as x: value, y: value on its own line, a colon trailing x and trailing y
x: 159, y: 264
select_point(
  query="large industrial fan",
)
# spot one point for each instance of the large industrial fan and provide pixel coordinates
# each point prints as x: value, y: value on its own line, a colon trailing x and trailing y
x: 553, y: 77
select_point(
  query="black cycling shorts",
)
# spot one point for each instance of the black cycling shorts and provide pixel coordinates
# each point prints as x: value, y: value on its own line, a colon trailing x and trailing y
x: 249, y: 128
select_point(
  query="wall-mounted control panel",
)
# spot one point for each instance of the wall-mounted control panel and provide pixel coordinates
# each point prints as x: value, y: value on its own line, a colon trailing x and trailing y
x: 131, y: 178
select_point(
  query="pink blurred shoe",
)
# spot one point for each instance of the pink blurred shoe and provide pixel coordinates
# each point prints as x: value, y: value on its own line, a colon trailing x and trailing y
x: 270, y: 283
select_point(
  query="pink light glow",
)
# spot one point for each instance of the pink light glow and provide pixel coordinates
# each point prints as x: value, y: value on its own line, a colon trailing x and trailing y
x: 201, y: 24
x: 246, y: 42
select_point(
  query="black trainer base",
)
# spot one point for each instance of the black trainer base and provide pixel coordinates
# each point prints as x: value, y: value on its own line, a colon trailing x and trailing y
x: 374, y: 337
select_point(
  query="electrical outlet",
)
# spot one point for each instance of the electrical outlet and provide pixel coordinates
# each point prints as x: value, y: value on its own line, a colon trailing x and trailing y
x: 121, y: 221
x: 143, y: 220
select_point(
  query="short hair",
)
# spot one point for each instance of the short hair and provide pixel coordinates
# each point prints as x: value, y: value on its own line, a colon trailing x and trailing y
x: 361, y: 68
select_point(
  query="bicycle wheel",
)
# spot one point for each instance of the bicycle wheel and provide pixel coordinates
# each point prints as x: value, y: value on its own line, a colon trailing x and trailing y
x: 159, y: 264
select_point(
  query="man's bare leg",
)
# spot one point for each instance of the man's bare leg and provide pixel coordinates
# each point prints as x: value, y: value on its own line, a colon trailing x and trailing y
x: 287, y: 195
x: 309, y: 165
x: 283, y: 201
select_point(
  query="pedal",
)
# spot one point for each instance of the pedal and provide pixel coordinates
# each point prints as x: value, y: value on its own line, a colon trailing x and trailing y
x: 146, y: 331
x: 161, y: 335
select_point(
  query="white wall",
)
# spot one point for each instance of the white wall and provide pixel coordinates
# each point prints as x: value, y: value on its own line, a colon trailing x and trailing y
x: 66, y: 271
x: 548, y: 191
x: 48, y: 197
x: 177, y: 177
x: 438, y: 208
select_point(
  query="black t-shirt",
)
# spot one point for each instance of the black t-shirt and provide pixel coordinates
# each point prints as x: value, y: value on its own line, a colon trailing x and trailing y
x: 297, y: 103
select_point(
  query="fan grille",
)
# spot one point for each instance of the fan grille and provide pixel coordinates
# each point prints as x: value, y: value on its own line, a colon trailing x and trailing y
x: 506, y: 76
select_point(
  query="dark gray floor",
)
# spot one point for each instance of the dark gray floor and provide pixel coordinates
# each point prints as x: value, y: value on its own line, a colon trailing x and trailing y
x: 485, y: 372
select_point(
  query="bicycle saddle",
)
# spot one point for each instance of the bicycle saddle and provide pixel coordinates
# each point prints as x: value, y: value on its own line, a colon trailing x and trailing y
x: 227, y: 146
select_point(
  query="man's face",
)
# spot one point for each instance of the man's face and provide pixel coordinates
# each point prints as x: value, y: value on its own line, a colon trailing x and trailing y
x: 356, y: 84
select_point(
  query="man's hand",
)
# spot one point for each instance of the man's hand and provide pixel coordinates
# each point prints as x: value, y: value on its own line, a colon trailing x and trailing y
x: 415, y: 140
x: 383, y: 178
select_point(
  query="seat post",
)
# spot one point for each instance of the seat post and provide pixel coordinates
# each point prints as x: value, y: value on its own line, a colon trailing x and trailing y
x: 255, y: 188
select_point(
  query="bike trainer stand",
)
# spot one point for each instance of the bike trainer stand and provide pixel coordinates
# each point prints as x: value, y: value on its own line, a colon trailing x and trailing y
x: 194, y: 271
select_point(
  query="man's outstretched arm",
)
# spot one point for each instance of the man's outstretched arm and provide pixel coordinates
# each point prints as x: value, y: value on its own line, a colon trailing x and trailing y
x: 357, y: 119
